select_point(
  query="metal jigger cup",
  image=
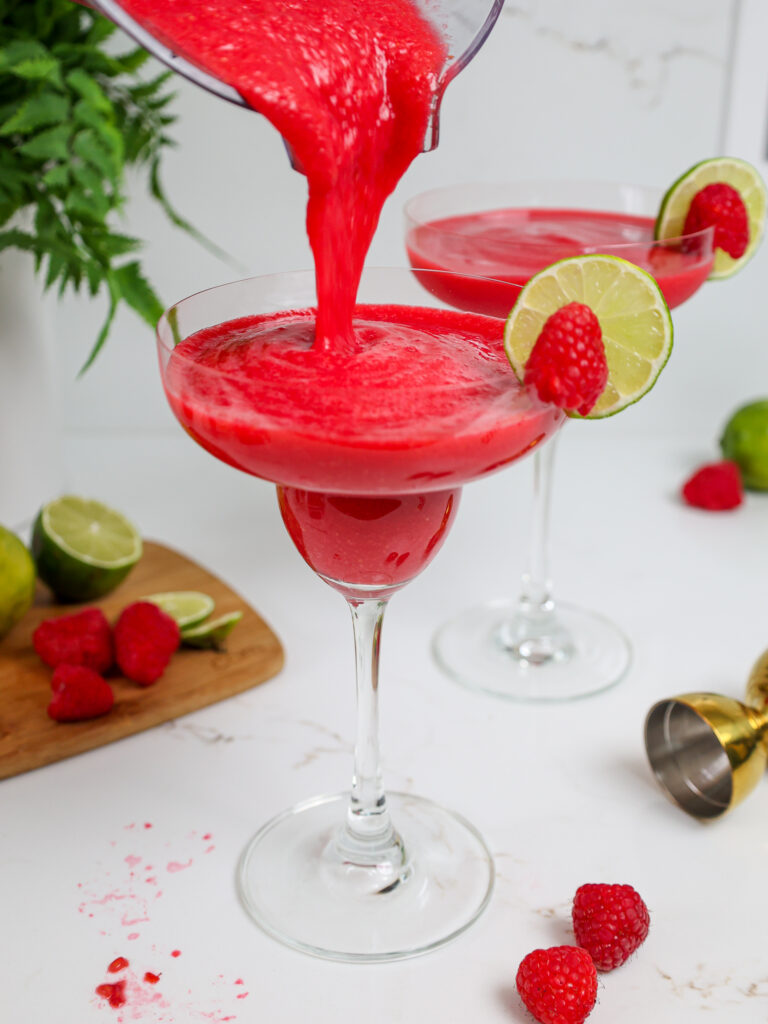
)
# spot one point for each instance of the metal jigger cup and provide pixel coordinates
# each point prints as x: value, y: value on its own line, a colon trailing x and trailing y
x: 707, y: 751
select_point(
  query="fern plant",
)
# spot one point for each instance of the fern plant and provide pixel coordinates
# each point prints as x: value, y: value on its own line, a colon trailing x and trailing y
x: 73, y: 116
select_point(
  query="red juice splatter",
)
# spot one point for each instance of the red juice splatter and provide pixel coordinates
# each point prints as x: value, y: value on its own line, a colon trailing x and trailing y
x: 150, y: 978
x: 175, y: 865
x: 118, y: 964
x: 114, y: 993
x: 175, y: 952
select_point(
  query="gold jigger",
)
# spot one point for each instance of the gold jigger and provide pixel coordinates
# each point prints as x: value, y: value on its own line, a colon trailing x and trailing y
x: 707, y: 751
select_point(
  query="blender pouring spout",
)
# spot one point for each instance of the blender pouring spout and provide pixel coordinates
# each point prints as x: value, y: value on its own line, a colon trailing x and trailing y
x: 463, y: 24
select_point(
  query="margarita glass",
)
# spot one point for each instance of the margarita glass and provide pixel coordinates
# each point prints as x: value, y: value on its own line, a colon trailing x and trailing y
x: 531, y: 647
x: 369, y: 451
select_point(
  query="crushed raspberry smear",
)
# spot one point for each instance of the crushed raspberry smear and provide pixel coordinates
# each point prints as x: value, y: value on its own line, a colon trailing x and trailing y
x: 124, y: 894
x: 114, y: 993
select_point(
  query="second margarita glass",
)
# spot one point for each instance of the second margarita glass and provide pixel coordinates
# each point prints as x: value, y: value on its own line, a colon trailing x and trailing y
x: 531, y: 647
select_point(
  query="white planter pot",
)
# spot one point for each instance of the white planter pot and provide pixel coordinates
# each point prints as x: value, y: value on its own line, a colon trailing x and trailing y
x: 30, y: 445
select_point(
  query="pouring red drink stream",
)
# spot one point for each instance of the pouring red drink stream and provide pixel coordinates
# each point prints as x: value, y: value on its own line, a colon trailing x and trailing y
x: 354, y: 109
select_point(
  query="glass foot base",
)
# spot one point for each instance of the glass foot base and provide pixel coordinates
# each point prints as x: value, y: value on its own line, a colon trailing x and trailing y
x: 579, y: 654
x: 295, y: 885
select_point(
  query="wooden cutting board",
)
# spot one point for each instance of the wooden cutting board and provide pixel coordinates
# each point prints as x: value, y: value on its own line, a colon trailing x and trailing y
x: 194, y: 678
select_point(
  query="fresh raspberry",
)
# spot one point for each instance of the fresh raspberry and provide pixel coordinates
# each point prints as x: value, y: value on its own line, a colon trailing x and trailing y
x: 145, y: 639
x: 610, y: 922
x: 567, y: 365
x: 84, y: 638
x: 558, y: 985
x: 720, y: 206
x: 78, y: 693
x: 716, y: 487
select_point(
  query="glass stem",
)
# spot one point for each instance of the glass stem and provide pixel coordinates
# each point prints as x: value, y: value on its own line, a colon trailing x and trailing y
x: 534, y: 634
x: 368, y: 827
x: 536, y: 585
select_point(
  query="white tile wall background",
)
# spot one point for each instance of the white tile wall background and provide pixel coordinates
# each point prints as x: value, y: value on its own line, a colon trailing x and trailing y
x: 610, y: 89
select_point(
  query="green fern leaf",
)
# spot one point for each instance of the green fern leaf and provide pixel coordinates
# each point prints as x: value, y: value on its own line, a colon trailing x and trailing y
x: 114, y: 299
x: 49, y: 144
x: 91, y: 91
x: 89, y: 148
x: 138, y: 293
x: 57, y: 179
x: 39, y: 111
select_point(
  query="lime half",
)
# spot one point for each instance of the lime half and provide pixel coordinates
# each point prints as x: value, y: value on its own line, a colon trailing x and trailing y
x: 634, y: 320
x: 82, y: 548
x: 727, y: 170
x: 212, y: 633
x: 187, y: 607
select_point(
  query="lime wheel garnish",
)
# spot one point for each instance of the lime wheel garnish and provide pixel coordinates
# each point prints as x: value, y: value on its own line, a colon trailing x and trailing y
x: 736, y: 175
x: 634, y: 320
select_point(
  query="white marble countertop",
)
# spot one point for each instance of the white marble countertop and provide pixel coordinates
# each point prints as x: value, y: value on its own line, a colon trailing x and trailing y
x: 130, y: 850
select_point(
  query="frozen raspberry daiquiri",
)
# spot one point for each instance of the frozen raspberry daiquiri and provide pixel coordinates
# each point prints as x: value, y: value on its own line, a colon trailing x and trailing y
x: 369, y: 408
x: 513, y: 244
x: 532, y: 647
x: 370, y: 447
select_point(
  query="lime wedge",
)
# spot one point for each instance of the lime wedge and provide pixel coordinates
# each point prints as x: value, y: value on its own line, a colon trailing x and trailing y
x: 634, y: 320
x: 187, y: 607
x: 82, y: 548
x: 741, y: 176
x: 212, y: 633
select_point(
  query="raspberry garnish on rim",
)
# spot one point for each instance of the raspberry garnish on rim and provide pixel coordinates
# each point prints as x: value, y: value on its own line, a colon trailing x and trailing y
x: 567, y: 365
x: 721, y: 207
x: 726, y: 194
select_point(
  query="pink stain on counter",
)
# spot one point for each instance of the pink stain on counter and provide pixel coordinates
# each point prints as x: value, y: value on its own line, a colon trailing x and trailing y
x: 119, y: 899
x: 174, y: 866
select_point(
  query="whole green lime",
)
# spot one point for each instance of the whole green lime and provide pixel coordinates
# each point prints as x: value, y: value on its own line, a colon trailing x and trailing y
x: 17, y: 580
x: 745, y: 441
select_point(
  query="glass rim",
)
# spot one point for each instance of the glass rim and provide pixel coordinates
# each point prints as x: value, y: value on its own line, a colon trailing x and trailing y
x: 497, y: 187
x: 308, y: 275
